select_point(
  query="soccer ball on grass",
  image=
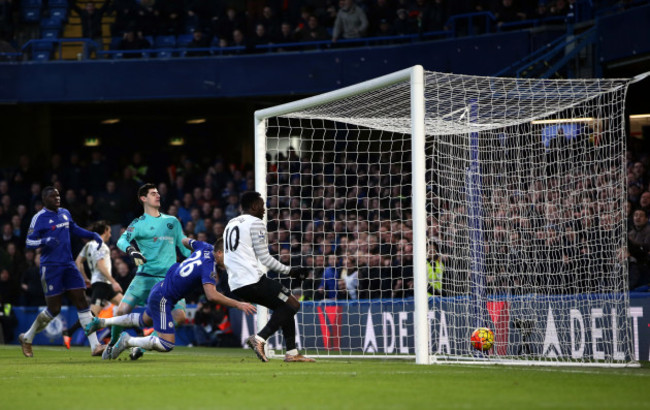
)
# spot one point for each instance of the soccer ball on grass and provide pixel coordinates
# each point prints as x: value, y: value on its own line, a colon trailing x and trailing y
x: 482, y: 339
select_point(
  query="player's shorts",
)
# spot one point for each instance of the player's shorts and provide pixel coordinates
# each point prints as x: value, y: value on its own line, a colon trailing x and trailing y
x: 266, y: 292
x: 101, y: 292
x: 160, y: 310
x: 57, y: 279
x: 138, y: 292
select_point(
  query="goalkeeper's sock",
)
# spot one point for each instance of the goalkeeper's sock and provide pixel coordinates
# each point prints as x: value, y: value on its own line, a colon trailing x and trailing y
x: 116, y: 331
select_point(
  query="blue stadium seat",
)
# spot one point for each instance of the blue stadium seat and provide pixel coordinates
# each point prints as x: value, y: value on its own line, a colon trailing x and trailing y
x: 51, y: 27
x: 183, y: 40
x: 30, y: 14
x: 165, y: 53
x: 59, y: 12
x: 42, y: 50
x: 50, y: 33
x: 115, y: 43
x: 165, y: 42
x: 59, y: 8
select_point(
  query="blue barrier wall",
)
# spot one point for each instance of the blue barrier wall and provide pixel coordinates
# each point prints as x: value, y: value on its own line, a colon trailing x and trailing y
x: 386, y: 327
x: 625, y: 35
x: 254, y: 75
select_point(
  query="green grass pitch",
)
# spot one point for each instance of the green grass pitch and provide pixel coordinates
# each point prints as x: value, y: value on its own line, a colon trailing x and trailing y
x: 201, y: 378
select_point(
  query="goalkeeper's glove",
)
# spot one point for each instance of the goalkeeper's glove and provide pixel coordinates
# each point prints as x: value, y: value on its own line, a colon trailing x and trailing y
x: 138, y: 258
x: 299, y: 273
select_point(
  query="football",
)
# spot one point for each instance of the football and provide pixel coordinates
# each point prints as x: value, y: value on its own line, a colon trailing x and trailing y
x: 482, y: 339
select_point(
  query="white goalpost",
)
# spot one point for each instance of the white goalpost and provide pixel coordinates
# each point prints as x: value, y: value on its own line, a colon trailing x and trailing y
x: 430, y: 204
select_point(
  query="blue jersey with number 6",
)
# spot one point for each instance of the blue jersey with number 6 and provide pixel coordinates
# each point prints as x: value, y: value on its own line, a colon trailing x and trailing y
x: 183, y: 278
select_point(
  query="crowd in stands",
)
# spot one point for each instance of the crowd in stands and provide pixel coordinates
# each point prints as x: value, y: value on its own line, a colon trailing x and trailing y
x: 350, y: 222
x: 262, y: 22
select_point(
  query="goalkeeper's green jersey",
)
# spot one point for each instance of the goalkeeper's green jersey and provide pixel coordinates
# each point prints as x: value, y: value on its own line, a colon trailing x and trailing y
x: 157, y: 239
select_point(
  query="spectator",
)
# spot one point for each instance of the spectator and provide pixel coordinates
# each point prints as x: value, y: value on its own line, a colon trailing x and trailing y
x: 198, y: 41
x: 351, y: 22
x: 378, y: 11
x: 109, y: 204
x: 91, y: 19
x: 170, y: 17
x: 126, y: 15
x: 212, y: 326
x: 313, y: 31
x: 146, y: 19
x: 99, y: 171
x: 226, y: 25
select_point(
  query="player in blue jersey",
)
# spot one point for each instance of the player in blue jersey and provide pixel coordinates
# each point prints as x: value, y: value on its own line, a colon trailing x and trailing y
x: 182, y: 279
x: 151, y: 240
x: 50, y: 230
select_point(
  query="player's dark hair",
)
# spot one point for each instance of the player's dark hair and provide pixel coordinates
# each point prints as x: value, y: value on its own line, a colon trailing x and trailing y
x: 99, y: 227
x: 46, y: 191
x: 248, y: 199
x: 144, y: 190
x: 218, y: 245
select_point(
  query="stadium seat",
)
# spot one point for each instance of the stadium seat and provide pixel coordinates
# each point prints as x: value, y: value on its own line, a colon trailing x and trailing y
x: 183, y: 40
x: 165, y: 53
x: 59, y: 8
x: 30, y: 11
x: 42, y: 50
x: 51, y: 27
x: 165, y: 42
x: 115, y: 43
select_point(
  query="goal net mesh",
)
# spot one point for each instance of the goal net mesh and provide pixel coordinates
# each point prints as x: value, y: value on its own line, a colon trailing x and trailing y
x: 526, y: 223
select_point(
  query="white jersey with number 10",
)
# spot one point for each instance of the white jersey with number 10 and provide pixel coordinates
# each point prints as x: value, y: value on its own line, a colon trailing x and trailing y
x: 246, y: 251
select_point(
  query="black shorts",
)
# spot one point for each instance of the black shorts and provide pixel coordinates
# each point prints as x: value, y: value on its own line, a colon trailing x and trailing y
x: 101, y: 292
x: 265, y: 292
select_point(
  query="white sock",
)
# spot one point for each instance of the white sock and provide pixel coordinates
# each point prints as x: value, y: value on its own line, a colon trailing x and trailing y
x: 40, y: 323
x: 292, y: 352
x: 129, y: 320
x: 260, y: 339
x: 151, y: 343
x: 84, y: 318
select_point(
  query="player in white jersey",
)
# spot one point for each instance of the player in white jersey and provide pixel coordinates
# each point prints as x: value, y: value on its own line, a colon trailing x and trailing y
x: 246, y: 253
x: 104, y: 287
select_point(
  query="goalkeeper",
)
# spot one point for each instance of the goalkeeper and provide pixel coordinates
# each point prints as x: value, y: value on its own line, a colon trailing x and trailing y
x: 151, y: 240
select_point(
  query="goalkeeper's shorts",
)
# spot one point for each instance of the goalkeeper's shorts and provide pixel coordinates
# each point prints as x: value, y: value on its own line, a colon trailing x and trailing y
x: 139, y: 289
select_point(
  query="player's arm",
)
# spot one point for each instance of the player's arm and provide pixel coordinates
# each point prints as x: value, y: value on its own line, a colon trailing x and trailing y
x: 82, y: 233
x: 214, y: 296
x: 102, y: 267
x: 180, y: 237
x: 81, y: 259
x: 261, y: 249
x: 194, y: 245
x: 35, y: 239
x: 128, y: 245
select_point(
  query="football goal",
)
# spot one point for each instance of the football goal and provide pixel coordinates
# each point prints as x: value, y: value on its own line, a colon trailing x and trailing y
x: 430, y: 204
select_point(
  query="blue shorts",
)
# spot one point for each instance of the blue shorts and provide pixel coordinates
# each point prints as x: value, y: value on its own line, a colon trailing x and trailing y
x: 57, y: 279
x: 160, y: 310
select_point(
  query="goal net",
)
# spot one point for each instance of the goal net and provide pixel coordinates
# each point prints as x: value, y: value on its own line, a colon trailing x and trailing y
x: 430, y: 204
